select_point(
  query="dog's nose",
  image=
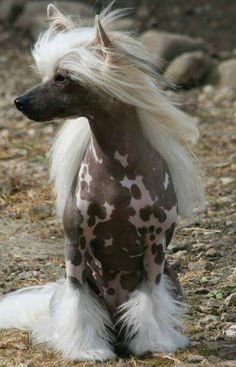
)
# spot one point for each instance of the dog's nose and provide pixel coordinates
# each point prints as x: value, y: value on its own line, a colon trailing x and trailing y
x: 19, y: 103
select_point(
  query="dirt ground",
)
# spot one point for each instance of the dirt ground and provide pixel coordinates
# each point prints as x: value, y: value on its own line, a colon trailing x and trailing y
x: 31, y: 238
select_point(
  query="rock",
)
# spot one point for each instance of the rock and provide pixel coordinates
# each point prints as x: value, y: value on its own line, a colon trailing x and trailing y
x: 208, y: 90
x: 230, y: 300
x: 200, y: 265
x: 201, y: 291
x: 166, y: 46
x: 189, y: 69
x: 197, y: 247
x: 231, y: 331
x: 228, y: 317
x: 34, y: 17
x: 212, y: 253
x: 226, y: 180
x: 195, y: 358
x: 26, y: 275
x: 225, y: 74
x: 208, y: 319
x: 208, y: 305
x: 177, y: 247
x: 180, y: 254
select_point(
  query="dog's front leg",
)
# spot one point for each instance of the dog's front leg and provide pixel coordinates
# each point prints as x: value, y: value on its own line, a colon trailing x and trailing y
x: 80, y: 322
x: 151, y: 315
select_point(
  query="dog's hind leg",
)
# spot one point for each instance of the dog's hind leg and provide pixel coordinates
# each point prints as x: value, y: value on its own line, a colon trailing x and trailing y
x: 79, y: 324
x: 151, y: 316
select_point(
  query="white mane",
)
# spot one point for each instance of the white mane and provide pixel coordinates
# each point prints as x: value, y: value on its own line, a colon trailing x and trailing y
x: 130, y: 77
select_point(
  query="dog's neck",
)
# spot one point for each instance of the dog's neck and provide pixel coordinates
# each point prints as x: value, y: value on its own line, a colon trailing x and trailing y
x: 117, y: 130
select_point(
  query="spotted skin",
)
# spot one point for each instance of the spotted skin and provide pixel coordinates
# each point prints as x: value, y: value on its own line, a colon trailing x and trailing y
x: 121, y: 214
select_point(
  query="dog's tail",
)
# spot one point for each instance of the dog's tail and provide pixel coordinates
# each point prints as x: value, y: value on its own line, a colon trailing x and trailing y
x: 66, y: 154
x: 70, y: 320
x: 23, y: 308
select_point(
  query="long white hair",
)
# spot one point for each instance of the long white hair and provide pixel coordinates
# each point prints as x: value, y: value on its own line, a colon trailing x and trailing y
x: 124, y: 70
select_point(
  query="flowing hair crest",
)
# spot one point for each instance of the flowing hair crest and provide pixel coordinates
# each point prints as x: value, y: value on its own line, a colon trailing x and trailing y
x: 129, y: 76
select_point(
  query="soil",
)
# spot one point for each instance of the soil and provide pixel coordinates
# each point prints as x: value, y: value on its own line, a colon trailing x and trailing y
x: 203, y: 253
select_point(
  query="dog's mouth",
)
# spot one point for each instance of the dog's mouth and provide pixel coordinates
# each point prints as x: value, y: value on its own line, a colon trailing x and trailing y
x: 41, y: 115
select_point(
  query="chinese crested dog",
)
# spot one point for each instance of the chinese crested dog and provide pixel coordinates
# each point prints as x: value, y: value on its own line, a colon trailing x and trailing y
x: 123, y: 172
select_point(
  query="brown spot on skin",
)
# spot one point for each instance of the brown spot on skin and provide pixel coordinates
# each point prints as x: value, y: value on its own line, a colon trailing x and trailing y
x: 97, y: 211
x: 154, y: 248
x: 159, y: 214
x: 131, y: 174
x: 91, y: 221
x: 151, y: 229
x: 74, y: 282
x: 124, y: 198
x: 71, y: 220
x: 169, y: 233
x: 145, y: 213
x: 158, y: 278
x: 73, y: 254
x: 112, y: 257
x: 111, y: 291
x: 135, y: 192
x: 158, y: 230
x: 169, y: 197
x: 152, y: 237
x: 160, y: 255
x: 82, y: 242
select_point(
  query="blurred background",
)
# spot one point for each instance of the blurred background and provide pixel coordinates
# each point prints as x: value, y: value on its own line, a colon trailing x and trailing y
x: 193, y: 43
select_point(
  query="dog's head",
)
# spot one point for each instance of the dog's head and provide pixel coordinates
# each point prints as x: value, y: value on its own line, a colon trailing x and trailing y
x: 69, y: 59
x: 84, y: 68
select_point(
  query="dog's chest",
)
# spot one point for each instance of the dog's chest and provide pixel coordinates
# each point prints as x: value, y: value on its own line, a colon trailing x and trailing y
x: 116, y: 204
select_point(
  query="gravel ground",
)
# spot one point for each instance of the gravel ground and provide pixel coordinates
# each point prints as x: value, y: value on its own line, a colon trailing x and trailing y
x: 31, y: 238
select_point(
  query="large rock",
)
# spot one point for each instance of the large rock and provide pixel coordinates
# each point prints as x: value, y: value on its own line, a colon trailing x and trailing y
x: 34, y: 17
x: 166, y: 46
x: 189, y: 69
x: 225, y: 74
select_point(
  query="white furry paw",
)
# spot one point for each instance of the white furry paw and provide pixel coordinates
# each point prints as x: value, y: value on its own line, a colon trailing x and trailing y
x: 151, y: 320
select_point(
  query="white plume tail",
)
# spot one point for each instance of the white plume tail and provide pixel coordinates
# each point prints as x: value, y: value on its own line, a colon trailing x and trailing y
x: 71, y: 321
x: 22, y: 309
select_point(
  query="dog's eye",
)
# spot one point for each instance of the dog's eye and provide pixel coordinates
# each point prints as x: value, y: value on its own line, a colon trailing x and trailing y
x: 60, y: 77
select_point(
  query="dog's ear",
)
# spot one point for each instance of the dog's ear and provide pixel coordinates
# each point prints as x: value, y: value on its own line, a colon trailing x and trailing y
x: 58, y: 20
x: 102, y: 39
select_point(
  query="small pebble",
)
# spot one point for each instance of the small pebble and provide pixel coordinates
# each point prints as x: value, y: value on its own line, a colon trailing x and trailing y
x: 195, y: 358
x: 230, y: 300
x: 231, y: 331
